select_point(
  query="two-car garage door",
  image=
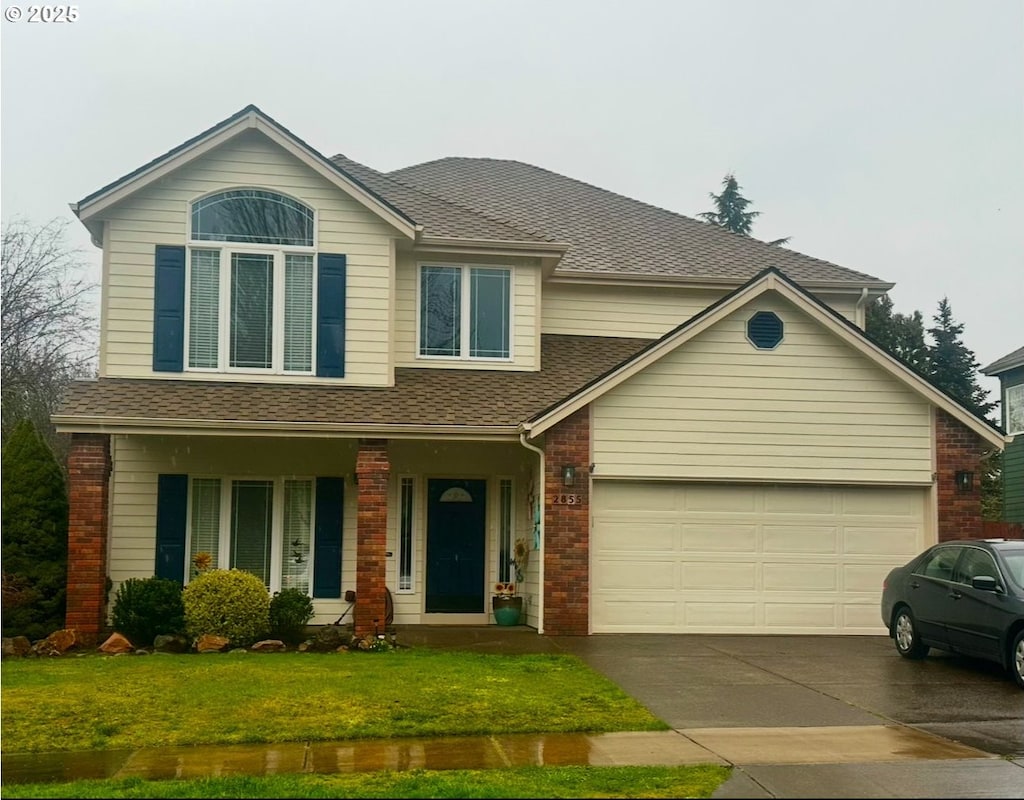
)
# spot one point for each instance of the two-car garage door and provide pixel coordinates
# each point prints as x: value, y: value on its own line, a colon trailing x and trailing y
x: 705, y: 558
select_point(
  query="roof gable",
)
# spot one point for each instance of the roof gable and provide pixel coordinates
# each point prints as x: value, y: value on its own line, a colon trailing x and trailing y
x: 249, y: 118
x: 1006, y: 363
x: 771, y: 280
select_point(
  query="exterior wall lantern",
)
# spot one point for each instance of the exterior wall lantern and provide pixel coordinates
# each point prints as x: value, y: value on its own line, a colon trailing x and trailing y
x: 964, y: 481
x: 568, y: 475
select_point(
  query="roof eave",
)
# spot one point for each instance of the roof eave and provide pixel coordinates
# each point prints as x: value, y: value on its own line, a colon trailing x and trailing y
x: 851, y: 286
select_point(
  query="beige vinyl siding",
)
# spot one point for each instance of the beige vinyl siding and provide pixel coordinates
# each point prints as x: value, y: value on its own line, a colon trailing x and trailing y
x: 813, y: 409
x: 525, y: 288
x: 422, y: 460
x: 138, y: 460
x: 644, y: 312
x: 159, y: 215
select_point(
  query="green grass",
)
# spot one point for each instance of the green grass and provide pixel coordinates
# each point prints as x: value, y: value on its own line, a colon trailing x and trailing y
x: 698, y: 781
x: 97, y: 702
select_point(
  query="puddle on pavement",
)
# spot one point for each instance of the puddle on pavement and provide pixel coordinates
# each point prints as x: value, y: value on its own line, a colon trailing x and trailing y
x: 467, y: 752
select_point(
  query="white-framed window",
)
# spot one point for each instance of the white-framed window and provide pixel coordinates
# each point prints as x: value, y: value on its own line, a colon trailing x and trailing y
x: 506, y: 524
x: 465, y: 312
x: 1013, y: 401
x: 250, y: 302
x: 406, y: 531
x: 261, y: 525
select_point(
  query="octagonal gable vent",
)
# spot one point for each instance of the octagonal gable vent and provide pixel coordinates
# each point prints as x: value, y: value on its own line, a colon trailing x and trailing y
x: 764, y: 330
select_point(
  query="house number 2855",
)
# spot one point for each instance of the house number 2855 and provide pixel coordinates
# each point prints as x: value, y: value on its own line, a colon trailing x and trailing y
x: 568, y: 499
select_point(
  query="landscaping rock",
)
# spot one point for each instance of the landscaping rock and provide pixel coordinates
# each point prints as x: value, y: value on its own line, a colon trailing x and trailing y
x: 16, y: 646
x: 269, y: 646
x: 209, y: 643
x: 116, y: 644
x: 56, y: 644
x: 328, y: 639
x: 170, y: 643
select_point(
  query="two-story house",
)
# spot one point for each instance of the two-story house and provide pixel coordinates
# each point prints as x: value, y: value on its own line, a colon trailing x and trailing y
x: 345, y: 380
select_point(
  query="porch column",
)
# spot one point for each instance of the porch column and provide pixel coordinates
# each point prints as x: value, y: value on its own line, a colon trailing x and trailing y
x: 88, y: 504
x: 372, y: 468
x: 957, y: 449
x: 567, y: 527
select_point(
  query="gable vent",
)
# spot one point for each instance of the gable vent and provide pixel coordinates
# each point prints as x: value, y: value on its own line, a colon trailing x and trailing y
x: 764, y: 330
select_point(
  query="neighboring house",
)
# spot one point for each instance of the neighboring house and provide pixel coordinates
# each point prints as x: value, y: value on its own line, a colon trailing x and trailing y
x: 345, y: 380
x: 1010, y: 371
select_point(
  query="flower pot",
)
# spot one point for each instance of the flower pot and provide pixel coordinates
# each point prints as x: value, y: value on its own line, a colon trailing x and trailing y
x: 507, y: 610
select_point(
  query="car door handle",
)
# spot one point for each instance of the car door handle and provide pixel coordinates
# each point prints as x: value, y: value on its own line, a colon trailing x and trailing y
x: 955, y: 595
x: 914, y: 585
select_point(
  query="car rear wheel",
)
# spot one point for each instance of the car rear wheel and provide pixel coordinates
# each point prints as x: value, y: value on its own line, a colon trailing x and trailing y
x: 905, y: 635
x: 1017, y: 659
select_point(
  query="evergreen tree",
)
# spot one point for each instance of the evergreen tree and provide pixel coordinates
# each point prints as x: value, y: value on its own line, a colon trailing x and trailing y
x: 35, y: 528
x: 900, y: 334
x: 952, y: 366
x: 731, y: 210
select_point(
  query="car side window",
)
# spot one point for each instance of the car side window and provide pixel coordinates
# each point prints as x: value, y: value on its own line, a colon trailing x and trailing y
x: 940, y: 564
x: 972, y: 563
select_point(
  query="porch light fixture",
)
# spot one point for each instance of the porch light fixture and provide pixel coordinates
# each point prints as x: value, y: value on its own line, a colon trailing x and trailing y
x: 568, y: 475
x: 964, y: 481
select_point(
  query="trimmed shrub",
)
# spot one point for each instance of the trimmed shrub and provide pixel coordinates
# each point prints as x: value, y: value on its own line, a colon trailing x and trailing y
x: 227, y: 602
x: 290, y: 610
x: 35, y: 536
x: 145, y: 608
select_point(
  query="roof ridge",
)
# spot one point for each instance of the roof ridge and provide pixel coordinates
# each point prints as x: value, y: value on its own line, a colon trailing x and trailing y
x: 701, y: 225
x: 448, y: 201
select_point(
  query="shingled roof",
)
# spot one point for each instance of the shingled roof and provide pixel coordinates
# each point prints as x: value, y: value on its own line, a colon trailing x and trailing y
x: 490, y: 398
x: 610, y: 234
x: 1007, y: 362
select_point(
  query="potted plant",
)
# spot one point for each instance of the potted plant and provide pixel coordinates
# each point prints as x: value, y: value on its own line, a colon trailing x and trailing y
x: 506, y: 603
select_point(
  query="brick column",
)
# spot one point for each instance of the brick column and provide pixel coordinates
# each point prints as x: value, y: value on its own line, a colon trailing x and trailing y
x: 88, y: 504
x: 956, y: 449
x: 567, y: 528
x: 372, y: 468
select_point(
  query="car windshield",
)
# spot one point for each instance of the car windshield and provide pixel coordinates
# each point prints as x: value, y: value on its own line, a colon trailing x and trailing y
x: 1013, y: 555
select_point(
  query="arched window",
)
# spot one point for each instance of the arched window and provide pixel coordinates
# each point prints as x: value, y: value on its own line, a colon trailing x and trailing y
x: 252, y: 216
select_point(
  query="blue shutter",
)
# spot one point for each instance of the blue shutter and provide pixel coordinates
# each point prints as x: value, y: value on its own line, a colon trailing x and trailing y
x: 327, y: 542
x: 169, y: 310
x: 171, y: 513
x: 330, y: 316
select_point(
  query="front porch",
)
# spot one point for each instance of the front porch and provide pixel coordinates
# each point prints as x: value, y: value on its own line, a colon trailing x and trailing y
x: 433, y: 521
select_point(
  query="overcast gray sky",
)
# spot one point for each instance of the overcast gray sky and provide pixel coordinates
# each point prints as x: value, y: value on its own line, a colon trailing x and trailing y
x: 884, y: 136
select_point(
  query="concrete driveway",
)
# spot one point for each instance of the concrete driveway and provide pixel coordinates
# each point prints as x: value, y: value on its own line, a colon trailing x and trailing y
x: 769, y: 692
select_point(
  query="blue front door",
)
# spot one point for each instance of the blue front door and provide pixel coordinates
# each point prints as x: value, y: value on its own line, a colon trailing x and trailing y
x: 456, y: 526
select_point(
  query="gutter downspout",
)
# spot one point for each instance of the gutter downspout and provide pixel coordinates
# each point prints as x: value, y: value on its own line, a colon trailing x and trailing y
x: 540, y: 499
x: 862, y: 320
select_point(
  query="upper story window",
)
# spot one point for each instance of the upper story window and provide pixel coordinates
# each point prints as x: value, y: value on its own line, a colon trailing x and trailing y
x: 251, y: 301
x: 252, y: 216
x: 1013, y: 401
x: 465, y: 312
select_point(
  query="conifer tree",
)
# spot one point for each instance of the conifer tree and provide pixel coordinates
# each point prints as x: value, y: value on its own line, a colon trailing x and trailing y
x: 35, y: 528
x: 731, y: 210
x: 952, y: 366
x: 900, y: 334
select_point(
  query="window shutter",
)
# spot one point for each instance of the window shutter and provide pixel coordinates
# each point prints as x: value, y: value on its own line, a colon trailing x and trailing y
x: 327, y: 542
x: 171, y: 512
x: 169, y: 309
x: 330, y: 317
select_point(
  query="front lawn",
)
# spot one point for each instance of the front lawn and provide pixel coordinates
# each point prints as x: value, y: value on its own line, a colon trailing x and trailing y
x: 700, y: 781
x: 100, y: 702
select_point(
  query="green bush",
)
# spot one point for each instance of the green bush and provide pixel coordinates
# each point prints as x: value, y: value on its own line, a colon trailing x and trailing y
x: 227, y: 602
x: 290, y: 610
x: 35, y: 536
x: 145, y: 608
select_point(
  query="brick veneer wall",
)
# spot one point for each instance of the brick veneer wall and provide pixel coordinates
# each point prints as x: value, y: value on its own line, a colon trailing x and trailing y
x: 956, y: 449
x: 567, y: 529
x: 88, y: 508
x: 372, y: 469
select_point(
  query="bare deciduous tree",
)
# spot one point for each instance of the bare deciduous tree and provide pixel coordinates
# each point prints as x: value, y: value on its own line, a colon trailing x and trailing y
x: 47, y: 320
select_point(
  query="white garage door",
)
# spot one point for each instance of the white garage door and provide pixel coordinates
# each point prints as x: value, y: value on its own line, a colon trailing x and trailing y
x: 704, y: 558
